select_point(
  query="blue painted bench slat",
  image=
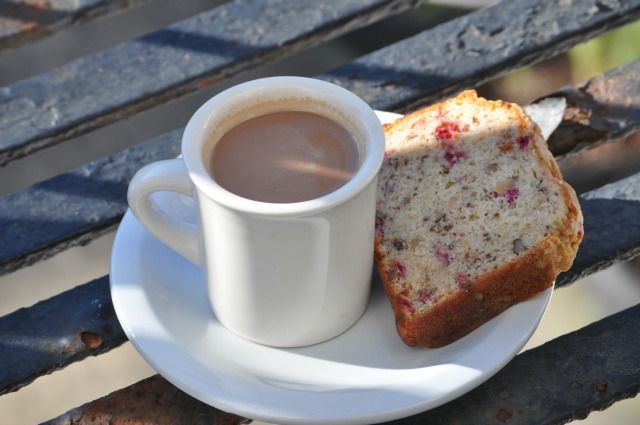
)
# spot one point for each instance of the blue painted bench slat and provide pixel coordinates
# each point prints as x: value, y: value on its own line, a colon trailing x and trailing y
x: 475, y: 48
x: 22, y: 21
x: 91, y: 199
x: 562, y: 380
x: 612, y: 234
x: 107, y: 86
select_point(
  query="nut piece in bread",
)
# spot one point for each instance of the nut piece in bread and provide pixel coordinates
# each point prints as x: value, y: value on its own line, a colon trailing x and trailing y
x: 473, y: 216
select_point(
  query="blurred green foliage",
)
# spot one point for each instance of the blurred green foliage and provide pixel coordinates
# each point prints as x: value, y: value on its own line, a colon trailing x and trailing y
x: 613, y: 49
x: 579, y: 64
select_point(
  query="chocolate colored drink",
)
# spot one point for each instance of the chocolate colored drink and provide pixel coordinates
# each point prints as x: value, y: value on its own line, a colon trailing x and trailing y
x: 283, y: 157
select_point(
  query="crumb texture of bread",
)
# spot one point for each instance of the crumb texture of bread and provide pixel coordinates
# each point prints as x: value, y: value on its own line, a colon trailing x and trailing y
x: 472, y: 216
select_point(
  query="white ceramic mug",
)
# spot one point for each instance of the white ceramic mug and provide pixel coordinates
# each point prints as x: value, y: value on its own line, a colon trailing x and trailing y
x: 278, y: 274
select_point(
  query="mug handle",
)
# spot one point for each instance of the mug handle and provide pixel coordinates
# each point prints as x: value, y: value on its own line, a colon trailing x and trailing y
x: 172, y: 176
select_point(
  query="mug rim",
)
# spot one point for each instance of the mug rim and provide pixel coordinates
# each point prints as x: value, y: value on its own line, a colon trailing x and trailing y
x: 194, y: 138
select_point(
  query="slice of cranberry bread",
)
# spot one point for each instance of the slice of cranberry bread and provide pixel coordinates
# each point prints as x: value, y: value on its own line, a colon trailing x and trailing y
x: 472, y: 217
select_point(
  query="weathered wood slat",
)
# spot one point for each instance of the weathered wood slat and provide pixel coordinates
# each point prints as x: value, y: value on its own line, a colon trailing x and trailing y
x: 605, y: 108
x: 90, y: 200
x: 104, y: 87
x: 56, y: 332
x: 611, y: 228
x: 562, y: 380
x: 28, y: 20
x: 152, y: 401
x: 73, y: 208
x: 612, y: 233
x: 477, y: 47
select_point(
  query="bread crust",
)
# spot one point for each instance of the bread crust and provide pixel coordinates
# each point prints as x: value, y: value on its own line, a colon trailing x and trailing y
x: 533, y: 271
x: 454, y: 317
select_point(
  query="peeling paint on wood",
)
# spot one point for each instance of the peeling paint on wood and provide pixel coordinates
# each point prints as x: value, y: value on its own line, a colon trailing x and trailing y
x: 28, y: 20
x: 475, y: 48
x: 73, y: 208
x: 605, y: 108
x: 56, y: 332
x: 560, y: 381
x: 588, y: 370
x: 611, y: 228
x: 612, y: 234
x: 27, y: 225
x: 152, y: 401
x: 107, y: 86
x: 92, y: 199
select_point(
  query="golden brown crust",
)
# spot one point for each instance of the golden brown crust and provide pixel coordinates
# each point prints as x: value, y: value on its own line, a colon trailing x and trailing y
x: 568, y: 233
x: 456, y: 316
x: 535, y: 270
x: 493, y: 293
x: 465, y: 95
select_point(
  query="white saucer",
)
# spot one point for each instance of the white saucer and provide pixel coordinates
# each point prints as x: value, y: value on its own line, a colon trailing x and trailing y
x: 365, y: 375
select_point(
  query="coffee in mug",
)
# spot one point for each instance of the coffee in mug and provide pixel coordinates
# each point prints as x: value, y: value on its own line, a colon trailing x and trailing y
x: 285, y: 156
x: 287, y: 259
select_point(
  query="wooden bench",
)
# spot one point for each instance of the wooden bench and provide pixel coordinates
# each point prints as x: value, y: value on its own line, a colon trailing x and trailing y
x: 564, y: 379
